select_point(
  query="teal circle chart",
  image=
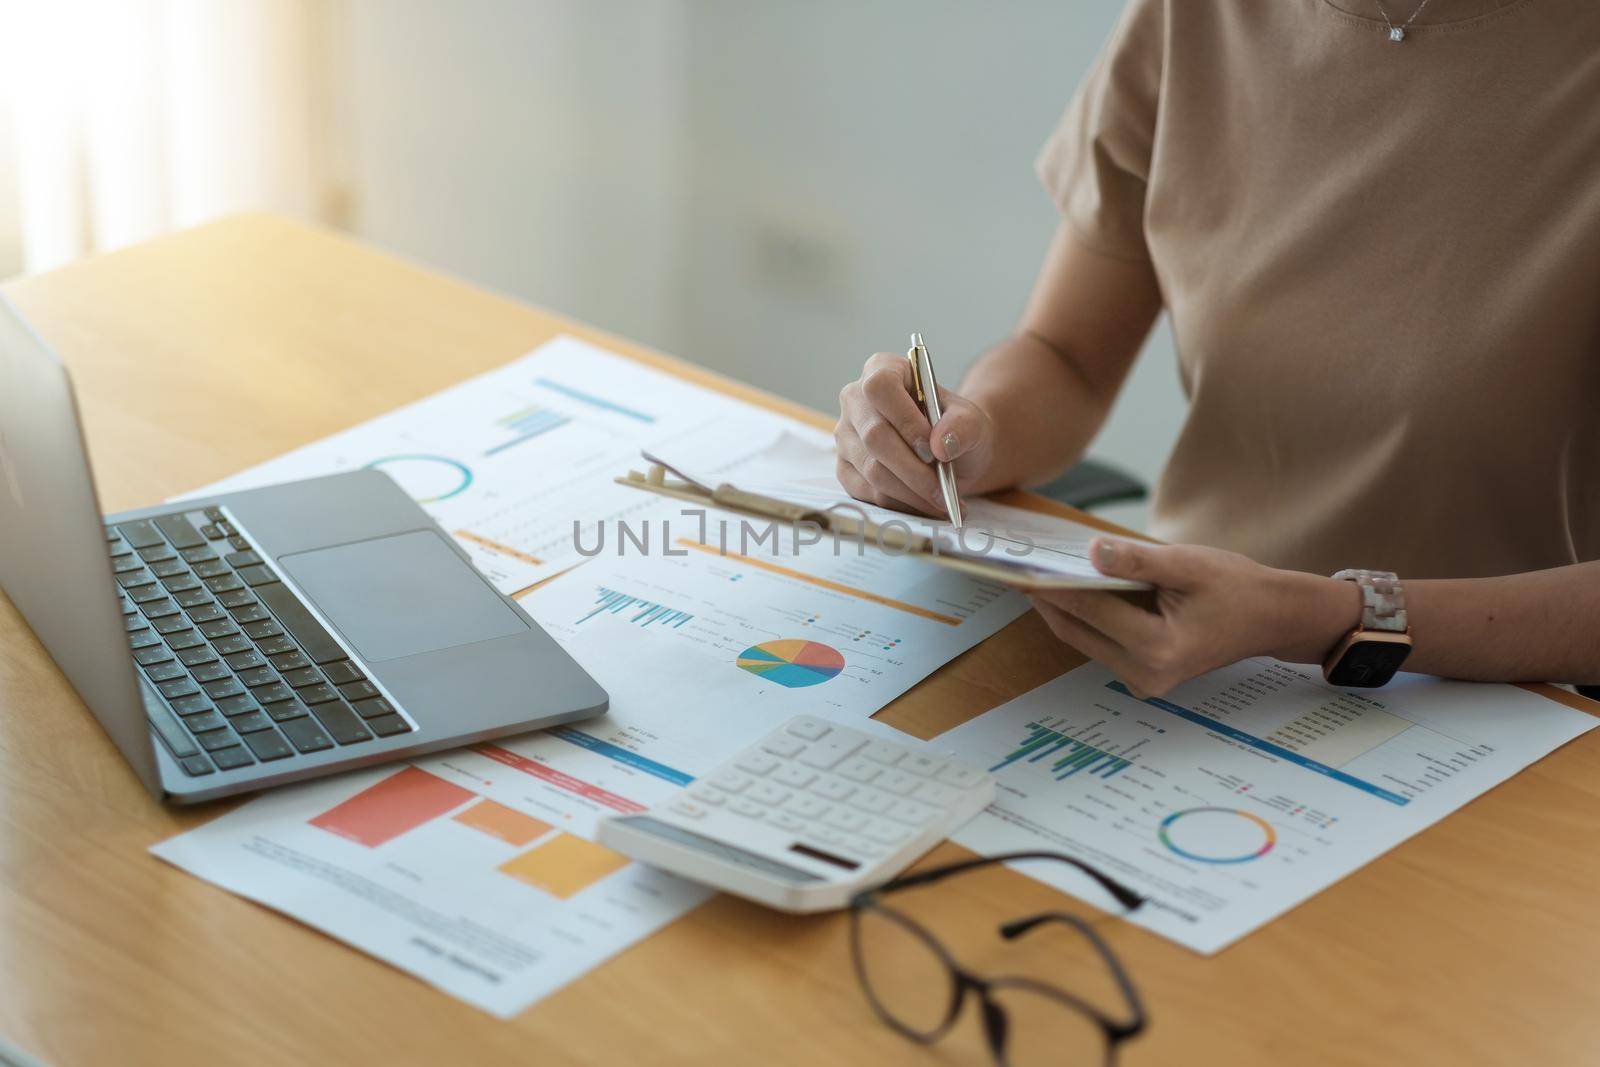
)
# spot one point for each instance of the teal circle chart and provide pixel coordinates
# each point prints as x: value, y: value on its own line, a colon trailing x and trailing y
x: 1217, y: 835
x: 427, y: 478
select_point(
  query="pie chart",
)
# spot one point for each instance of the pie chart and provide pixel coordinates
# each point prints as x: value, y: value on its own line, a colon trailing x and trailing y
x: 792, y: 662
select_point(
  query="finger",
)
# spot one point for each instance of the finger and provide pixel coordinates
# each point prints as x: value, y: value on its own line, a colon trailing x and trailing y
x: 959, y: 431
x: 882, y: 487
x: 888, y: 385
x: 1167, y: 566
x: 883, y: 443
x: 1084, y: 638
x: 1127, y: 624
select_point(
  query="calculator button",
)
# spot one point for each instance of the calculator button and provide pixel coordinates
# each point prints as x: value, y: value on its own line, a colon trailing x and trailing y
x: 827, y: 753
x: 786, y: 821
x: 808, y: 729
x: 833, y: 788
x: 858, y: 769
x: 731, y: 781
x: 808, y: 807
x: 884, y: 752
x: 768, y: 793
x: 685, y: 806
x: 757, y: 763
x: 862, y: 847
x: 787, y: 747
x: 886, y: 833
x: 794, y: 776
x: 909, y: 811
x: 926, y: 766
x: 845, y: 819
x: 930, y: 793
x: 746, y: 807
x: 709, y: 797
x: 826, y: 835
x: 959, y: 776
x: 898, y: 782
x: 873, y: 801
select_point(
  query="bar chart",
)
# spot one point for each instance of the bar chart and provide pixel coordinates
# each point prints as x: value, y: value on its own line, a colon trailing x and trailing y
x: 1077, y: 756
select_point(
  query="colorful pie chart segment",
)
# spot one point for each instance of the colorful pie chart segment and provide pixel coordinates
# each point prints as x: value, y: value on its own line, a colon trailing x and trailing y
x: 792, y: 662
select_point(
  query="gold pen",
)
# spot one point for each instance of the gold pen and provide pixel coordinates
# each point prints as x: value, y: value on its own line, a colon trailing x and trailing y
x: 927, y: 395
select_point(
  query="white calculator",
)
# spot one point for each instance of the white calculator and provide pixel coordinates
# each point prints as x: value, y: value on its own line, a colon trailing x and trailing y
x: 806, y: 817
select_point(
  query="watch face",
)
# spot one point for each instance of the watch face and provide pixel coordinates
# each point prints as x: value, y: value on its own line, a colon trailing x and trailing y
x: 1366, y: 664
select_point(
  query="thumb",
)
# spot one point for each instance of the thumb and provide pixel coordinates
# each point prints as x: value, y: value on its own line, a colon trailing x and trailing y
x: 960, y: 430
x: 1160, y: 565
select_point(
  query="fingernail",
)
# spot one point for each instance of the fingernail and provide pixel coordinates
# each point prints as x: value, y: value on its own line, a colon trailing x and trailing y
x: 924, y: 452
x: 952, y: 445
x: 1105, y: 554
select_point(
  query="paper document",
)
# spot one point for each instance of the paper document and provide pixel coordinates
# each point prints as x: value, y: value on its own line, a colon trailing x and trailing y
x: 481, y: 898
x: 1243, y: 792
x: 800, y: 470
x: 510, y: 460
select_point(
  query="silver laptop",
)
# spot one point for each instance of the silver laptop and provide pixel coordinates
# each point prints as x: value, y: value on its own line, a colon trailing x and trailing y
x: 255, y: 638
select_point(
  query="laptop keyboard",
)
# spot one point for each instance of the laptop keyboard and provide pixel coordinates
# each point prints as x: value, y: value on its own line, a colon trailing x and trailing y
x: 246, y: 673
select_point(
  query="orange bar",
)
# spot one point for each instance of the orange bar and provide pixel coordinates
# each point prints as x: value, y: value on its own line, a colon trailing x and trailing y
x: 507, y: 824
x: 495, y: 546
x: 837, y: 587
x: 564, y: 866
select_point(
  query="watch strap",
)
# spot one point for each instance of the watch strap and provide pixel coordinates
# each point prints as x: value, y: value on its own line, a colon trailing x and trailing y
x: 1383, y: 599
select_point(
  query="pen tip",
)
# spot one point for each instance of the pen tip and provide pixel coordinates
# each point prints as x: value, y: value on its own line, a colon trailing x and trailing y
x: 916, y: 340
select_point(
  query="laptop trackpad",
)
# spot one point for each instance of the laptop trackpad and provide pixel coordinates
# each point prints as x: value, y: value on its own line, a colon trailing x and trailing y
x: 400, y: 595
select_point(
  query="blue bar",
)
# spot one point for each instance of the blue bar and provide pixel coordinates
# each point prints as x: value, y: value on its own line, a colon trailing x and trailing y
x: 595, y: 401
x: 621, y: 755
x: 1265, y: 746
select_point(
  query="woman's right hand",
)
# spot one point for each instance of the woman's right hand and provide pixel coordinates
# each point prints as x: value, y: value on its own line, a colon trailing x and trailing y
x: 887, y: 449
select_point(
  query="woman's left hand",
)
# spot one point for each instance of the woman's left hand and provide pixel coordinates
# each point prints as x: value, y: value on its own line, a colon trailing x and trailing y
x: 1211, y: 608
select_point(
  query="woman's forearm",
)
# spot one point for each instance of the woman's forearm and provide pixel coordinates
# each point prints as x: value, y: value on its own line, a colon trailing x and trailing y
x: 1542, y: 626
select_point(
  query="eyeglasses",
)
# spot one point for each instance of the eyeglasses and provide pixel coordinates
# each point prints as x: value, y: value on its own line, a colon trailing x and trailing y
x: 916, y: 986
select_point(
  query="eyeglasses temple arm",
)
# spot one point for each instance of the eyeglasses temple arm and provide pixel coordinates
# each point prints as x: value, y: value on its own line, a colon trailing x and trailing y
x: 1136, y: 1016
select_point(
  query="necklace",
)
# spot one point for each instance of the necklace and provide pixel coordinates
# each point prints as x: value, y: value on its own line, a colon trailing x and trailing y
x: 1398, y: 33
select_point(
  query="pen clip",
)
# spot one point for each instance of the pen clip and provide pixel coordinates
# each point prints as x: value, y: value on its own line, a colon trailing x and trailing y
x: 916, y: 371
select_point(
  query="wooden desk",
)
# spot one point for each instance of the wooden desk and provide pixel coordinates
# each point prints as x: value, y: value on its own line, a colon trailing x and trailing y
x: 203, y: 353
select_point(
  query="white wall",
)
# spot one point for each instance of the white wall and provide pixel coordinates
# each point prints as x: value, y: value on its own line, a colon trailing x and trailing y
x: 774, y: 189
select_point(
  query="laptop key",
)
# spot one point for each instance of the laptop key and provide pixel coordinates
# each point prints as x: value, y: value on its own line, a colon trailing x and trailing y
x: 268, y: 745
x: 184, y: 639
x: 193, y: 657
x: 231, y: 643
x: 210, y: 532
x: 242, y: 704
x: 144, y: 594
x: 264, y: 628
x: 216, y: 514
x: 230, y: 758
x: 181, y: 584
x: 183, y: 687
x: 272, y: 646
x: 199, y: 556
x: 126, y: 564
x: 243, y: 661
x: 153, y: 654
x: 300, y: 678
x: 220, y: 628
x: 306, y: 735
x: 257, y: 676
x: 141, y: 533
x: 242, y: 559
x: 223, y: 583
x: 206, y: 613
x: 145, y: 638
x: 210, y: 568
x: 192, y: 598
x: 342, y: 672
x: 376, y: 708
x: 239, y: 544
x: 130, y: 579
x: 157, y: 554
x: 205, y: 722
x: 250, y: 722
x: 171, y: 624
x: 250, y: 613
x: 254, y: 576
x: 271, y: 694
x: 209, y: 672
x: 212, y: 740
x: 292, y: 661
x: 164, y: 672
x: 228, y: 687
x: 228, y: 528
x: 159, y: 609
x: 196, y: 765
x: 342, y: 722
x: 388, y: 725
x: 180, y: 532
x: 236, y: 598
x: 192, y: 705
x: 169, y: 568
x: 284, y: 710
x: 358, y: 690
x: 316, y: 641
x: 320, y: 693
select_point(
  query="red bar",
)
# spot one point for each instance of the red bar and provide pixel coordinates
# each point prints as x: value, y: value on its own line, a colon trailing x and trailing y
x: 400, y: 802
x: 576, y: 786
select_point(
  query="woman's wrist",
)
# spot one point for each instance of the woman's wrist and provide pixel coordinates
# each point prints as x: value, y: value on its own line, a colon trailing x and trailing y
x: 1316, y: 613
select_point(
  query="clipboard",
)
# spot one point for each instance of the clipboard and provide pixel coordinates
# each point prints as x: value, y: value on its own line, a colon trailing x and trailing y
x: 665, y: 480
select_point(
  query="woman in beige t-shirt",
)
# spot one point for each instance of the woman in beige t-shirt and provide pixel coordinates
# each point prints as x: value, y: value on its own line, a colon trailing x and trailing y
x: 1382, y: 265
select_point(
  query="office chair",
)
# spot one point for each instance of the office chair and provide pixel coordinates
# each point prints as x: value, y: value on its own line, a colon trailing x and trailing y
x: 1092, y: 484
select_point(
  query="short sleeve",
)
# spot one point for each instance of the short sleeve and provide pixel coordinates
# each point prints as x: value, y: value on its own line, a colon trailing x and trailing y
x: 1096, y: 164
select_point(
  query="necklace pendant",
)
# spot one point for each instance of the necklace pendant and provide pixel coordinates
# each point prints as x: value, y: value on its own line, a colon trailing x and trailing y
x: 1396, y: 34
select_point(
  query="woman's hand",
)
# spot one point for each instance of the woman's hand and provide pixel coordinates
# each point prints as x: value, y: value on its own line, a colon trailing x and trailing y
x: 886, y: 447
x: 1211, y: 608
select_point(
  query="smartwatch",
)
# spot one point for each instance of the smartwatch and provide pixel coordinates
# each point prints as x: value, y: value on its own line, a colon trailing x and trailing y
x: 1369, y: 655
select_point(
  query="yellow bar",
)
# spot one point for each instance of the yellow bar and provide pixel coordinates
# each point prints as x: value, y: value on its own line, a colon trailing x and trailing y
x: 495, y: 546
x: 837, y: 587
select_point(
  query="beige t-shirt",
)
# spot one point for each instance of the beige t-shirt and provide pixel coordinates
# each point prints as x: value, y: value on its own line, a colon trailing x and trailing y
x: 1382, y: 265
